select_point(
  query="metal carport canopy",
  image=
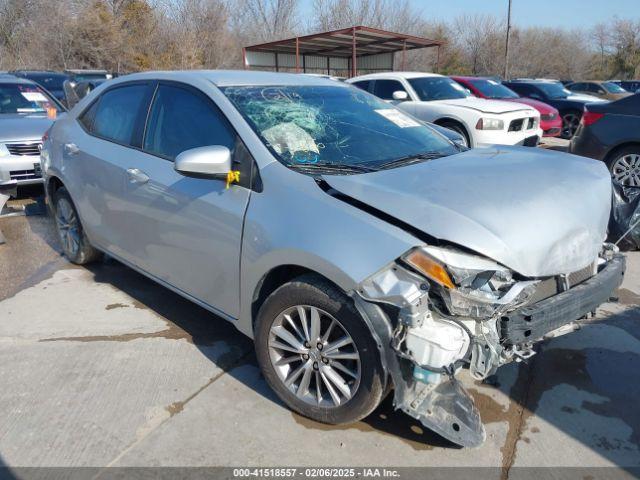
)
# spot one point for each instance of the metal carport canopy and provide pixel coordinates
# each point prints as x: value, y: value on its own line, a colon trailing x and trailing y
x: 347, y: 49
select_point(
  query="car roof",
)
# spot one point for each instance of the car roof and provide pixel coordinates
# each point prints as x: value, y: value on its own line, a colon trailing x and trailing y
x: 87, y: 71
x: 224, y: 78
x: 385, y: 75
x: 37, y: 71
x: 12, y: 79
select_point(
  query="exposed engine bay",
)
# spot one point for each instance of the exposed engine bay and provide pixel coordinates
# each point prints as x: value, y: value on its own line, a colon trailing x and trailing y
x: 439, y: 309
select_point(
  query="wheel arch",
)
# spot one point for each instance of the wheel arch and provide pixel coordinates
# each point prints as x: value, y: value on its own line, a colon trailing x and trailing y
x: 443, y: 121
x: 275, y: 278
x: 621, y: 146
x: 51, y: 187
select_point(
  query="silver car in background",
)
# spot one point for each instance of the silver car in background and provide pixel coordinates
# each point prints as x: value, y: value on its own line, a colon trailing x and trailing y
x: 361, y: 249
x: 26, y: 113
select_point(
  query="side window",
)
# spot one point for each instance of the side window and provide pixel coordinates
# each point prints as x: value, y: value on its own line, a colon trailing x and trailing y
x: 117, y: 112
x: 181, y: 120
x: 87, y: 117
x: 384, y: 88
x: 538, y: 93
x: 519, y: 88
x: 576, y: 87
x: 363, y: 85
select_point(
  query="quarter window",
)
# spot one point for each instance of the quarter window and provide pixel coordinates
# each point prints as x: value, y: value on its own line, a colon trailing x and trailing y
x: 86, y: 119
x: 116, y: 113
x: 181, y: 120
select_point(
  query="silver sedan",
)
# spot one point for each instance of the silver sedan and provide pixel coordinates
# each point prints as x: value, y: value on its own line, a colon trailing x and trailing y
x: 360, y: 248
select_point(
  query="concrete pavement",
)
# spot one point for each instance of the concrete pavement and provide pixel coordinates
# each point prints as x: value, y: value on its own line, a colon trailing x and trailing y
x: 101, y: 367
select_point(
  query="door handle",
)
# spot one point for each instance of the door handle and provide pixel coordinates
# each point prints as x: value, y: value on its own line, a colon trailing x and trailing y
x: 71, y: 148
x: 137, y: 176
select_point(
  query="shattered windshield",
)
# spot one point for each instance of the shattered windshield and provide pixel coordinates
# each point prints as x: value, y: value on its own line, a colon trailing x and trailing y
x: 334, y: 127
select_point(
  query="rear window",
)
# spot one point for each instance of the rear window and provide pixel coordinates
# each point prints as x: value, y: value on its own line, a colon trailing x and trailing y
x: 20, y: 98
x: 50, y: 82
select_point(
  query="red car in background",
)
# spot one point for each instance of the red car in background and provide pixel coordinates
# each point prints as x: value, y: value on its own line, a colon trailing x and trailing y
x: 550, y: 120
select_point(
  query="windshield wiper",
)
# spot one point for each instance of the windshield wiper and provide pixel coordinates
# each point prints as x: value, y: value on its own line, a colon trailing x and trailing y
x: 410, y: 159
x: 332, y: 167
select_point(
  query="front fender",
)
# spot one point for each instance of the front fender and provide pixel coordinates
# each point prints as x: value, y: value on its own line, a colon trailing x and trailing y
x: 294, y: 222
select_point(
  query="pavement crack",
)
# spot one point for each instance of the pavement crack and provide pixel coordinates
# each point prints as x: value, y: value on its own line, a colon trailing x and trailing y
x: 177, y: 407
x: 173, y: 409
x: 520, y: 396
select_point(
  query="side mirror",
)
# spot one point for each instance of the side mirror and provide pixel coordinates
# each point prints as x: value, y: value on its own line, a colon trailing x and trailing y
x: 536, y: 96
x: 213, y: 161
x: 400, y: 95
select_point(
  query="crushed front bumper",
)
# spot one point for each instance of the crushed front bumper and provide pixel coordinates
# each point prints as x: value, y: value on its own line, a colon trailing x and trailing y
x: 446, y: 407
x: 532, y: 322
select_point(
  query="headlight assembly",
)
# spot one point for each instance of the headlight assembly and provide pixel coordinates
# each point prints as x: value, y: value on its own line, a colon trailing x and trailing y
x: 472, y: 286
x: 490, y: 124
x: 4, y: 151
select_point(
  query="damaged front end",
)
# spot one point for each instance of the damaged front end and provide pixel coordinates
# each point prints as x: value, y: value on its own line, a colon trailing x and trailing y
x: 436, y: 310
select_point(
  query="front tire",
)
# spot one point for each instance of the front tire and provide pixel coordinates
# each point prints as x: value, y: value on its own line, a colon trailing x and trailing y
x: 458, y: 129
x: 73, y: 238
x: 317, y: 353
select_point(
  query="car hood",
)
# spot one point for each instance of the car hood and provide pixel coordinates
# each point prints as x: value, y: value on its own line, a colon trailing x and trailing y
x: 482, y: 105
x: 16, y: 127
x: 542, y: 107
x: 583, y: 97
x: 538, y: 212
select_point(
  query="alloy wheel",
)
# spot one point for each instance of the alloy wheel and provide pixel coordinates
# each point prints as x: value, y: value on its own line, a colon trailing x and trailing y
x: 68, y: 227
x: 314, y: 356
x: 570, y: 123
x: 626, y: 170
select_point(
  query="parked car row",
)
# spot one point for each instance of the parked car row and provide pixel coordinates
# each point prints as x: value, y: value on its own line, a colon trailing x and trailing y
x: 26, y: 112
x: 361, y: 249
x: 62, y: 84
x: 440, y: 100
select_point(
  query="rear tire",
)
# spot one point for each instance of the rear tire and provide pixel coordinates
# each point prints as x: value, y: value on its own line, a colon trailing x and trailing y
x: 570, y: 122
x: 365, y: 385
x: 624, y: 165
x: 75, y: 244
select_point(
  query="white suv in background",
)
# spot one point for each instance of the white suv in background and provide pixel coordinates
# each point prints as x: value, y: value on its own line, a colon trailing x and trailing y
x: 440, y: 100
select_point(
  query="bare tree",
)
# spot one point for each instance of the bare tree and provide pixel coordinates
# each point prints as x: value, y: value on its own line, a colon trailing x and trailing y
x: 396, y: 15
x: 264, y: 20
x: 480, y: 37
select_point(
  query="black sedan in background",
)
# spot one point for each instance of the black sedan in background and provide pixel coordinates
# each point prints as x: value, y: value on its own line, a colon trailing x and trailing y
x: 569, y: 104
x: 47, y: 79
x: 611, y: 132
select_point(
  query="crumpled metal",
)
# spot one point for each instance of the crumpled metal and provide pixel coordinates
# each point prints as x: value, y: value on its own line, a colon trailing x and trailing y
x: 625, y: 212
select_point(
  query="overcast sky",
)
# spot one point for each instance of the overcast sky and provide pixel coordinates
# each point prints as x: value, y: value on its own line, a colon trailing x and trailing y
x: 548, y: 13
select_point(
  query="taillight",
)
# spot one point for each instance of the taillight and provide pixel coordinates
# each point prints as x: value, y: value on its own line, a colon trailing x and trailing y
x: 589, y: 118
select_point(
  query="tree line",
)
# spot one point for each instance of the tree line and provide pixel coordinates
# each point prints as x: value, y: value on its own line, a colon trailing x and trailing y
x: 132, y: 35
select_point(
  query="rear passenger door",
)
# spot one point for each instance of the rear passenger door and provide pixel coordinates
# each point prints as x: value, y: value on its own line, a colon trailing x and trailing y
x: 187, y: 231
